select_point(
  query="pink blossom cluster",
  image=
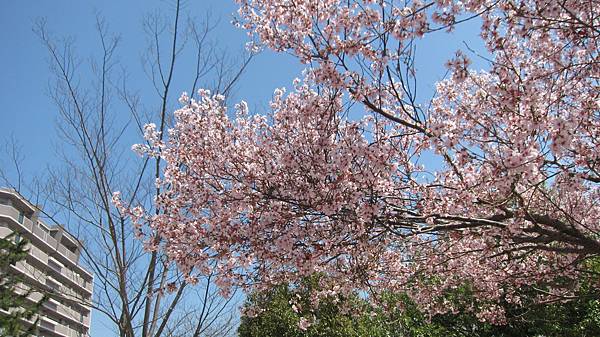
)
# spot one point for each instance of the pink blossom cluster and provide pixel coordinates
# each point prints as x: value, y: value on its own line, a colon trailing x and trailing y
x: 265, y: 199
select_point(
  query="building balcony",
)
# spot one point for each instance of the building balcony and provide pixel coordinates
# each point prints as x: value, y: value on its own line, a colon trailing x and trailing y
x: 42, y: 238
x: 56, y: 329
x: 66, y: 314
x: 39, y: 280
x: 70, y: 278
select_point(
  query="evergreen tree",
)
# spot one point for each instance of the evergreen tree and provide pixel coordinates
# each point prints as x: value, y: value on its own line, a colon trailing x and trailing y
x: 281, y: 311
x: 12, y: 250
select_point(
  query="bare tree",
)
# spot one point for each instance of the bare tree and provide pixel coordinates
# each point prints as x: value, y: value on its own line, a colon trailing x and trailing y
x: 138, y: 289
x: 12, y: 152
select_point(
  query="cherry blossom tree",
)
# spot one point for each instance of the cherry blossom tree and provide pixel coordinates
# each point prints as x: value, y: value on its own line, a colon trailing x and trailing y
x: 308, y: 188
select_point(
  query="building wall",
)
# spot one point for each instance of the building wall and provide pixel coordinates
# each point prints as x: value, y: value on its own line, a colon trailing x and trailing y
x: 52, y: 265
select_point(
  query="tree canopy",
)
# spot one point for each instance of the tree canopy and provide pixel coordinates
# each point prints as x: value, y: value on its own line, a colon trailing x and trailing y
x: 286, y: 310
x: 273, y: 198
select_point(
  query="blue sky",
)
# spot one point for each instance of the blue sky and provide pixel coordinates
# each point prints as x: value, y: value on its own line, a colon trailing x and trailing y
x: 29, y: 114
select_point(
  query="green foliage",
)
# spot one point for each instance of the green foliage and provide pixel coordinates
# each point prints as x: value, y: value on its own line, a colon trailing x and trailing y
x: 18, y: 306
x: 279, y: 318
x: 397, y: 315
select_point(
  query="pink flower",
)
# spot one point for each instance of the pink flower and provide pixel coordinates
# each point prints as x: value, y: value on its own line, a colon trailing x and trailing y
x: 304, y: 324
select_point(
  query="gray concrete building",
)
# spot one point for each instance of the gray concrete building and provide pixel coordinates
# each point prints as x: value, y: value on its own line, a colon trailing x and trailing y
x: 52, y: 265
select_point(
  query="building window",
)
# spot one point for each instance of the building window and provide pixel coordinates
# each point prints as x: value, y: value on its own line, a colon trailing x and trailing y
x: 21, y: 216
x: 47, y: 325
x: 52, y: 285
x: 52, y: 305
x: 54, y: 266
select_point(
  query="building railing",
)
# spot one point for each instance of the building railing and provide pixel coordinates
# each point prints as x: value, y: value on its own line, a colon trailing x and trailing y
x: 69, y: 254
x: 67, y: 313
x: 38, y: 254
x: 71, y: 276
x: 14, y: 213
x: 59, y: 329
x: 47, y: 325
x: 68, y: 293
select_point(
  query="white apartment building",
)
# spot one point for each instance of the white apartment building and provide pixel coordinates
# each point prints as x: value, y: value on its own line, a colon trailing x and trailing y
x: 53, y: 265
